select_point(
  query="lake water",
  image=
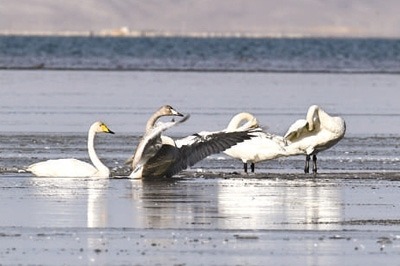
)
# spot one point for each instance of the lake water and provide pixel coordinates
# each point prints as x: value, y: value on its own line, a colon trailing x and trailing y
x: 365, y: 55
x: 211, y: 214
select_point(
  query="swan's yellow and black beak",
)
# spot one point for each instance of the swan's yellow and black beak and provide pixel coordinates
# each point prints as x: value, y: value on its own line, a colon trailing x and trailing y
x: 105, y: 129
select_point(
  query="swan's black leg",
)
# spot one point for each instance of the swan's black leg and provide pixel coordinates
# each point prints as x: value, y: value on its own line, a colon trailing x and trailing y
x: 245, y: 167
x: 252, y: 167
x: 307, y: 166
x: 314, y: 158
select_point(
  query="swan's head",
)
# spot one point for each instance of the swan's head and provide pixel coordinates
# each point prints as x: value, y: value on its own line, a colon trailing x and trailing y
x: 168, y: 110
x: 100, y: 127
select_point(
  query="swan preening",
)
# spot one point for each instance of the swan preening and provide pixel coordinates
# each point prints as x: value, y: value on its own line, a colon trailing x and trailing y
x: 263, y: 146
x: 73, y: 167
x: 160, y: 156
x: 318, y: 132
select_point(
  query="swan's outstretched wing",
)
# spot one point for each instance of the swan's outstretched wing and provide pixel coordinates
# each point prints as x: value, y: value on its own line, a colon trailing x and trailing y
x: 151, y: 142
x: 296, y: 129
x: 198, y: 146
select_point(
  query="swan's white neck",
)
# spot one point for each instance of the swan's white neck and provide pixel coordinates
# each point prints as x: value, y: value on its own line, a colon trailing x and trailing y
x: 152, y: 120
x: 234, y: 124
x: 102, y: 169
x: 313, y: 117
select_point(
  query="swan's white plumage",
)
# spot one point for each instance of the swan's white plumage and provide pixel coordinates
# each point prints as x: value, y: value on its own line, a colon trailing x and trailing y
x: 63, y: 168
x: 161, y: 156
x: 263, y: 146
x: 318, y: 132
x: 72, y: 167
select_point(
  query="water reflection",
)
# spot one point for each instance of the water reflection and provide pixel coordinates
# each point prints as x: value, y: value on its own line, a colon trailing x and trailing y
x: 97, y: 211
x: 58, y: 202
x: 198, y: 203
x: 237, y: 204
x: 181, y: 203
x: 175, y: 204
x: 286, y: 204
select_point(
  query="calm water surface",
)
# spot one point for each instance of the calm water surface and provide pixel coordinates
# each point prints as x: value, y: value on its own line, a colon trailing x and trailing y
x: 69, y: 101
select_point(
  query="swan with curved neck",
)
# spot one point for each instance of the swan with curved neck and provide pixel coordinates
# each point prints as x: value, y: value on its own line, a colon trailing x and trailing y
x: 237, y: 121
x: 165, y: 110
x: 72, y: 167
x: 264, y: 146
x: 318, y: 132
x: 161, y: 156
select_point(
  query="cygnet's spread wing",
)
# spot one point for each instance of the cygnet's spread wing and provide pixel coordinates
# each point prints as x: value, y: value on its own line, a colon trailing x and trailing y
x: 162, y: 164
x: 151, y: 142
x: 198, y: 146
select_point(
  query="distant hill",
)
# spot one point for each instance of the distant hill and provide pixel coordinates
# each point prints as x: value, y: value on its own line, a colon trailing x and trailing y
x: 349, y: 18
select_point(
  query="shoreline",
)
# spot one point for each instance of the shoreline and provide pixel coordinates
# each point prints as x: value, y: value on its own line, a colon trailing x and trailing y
x: 199, y: 70
x: 228, y: 174
x: 122, y: 32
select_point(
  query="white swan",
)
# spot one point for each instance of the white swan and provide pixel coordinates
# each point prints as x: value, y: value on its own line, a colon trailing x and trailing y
x: 264, y: 146
x: 161, y: 156
x: 74, y: 167
x: 318, y: 132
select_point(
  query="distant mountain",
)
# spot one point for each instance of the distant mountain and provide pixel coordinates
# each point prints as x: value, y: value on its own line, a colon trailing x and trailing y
x: 253, y: 17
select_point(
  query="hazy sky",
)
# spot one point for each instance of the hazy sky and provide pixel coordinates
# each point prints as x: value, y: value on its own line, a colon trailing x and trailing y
x: 270, y: 17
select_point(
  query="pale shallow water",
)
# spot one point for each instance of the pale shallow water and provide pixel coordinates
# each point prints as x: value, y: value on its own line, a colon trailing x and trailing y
x: 211, y: 214
x: 284, y: 219
x: 69, y: 101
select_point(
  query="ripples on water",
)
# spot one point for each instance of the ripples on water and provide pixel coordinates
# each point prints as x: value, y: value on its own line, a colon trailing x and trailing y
x: 223, y: 54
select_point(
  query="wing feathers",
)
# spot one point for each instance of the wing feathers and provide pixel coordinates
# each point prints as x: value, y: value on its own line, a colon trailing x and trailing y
x: 151, y: 142
x: 205, y: 145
